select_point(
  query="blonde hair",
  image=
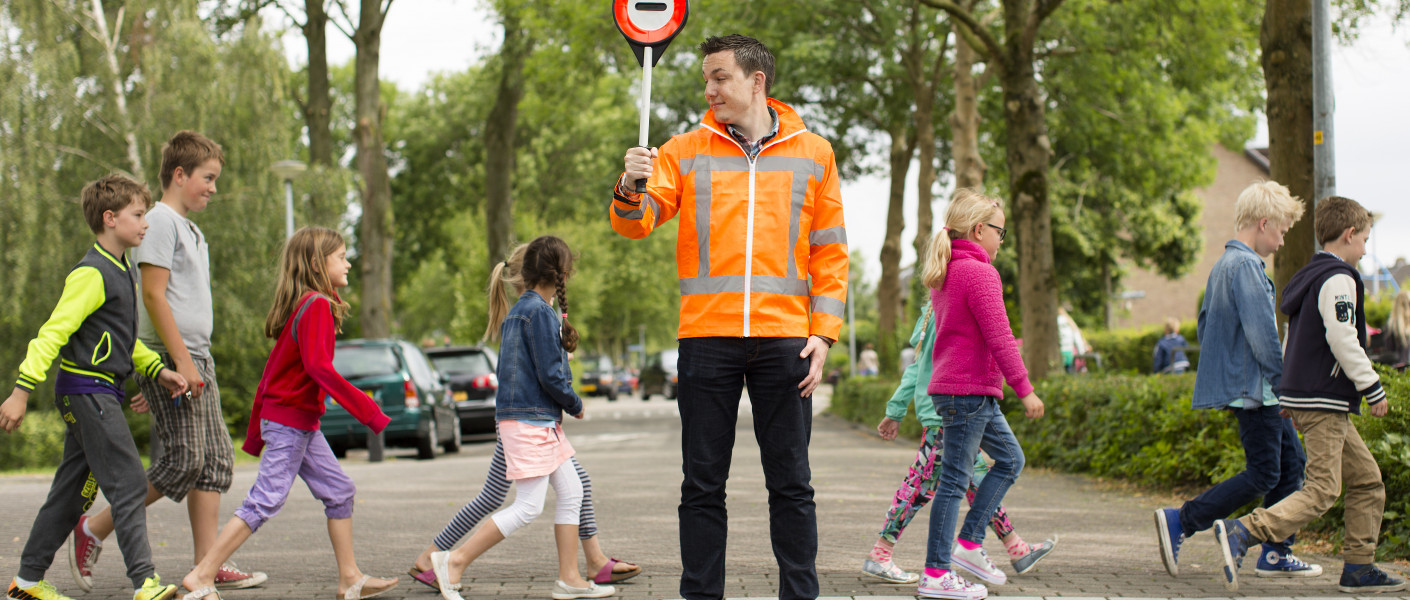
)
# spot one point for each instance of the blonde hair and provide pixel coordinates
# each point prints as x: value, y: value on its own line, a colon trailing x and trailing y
x: 504, y: 278
x: 968, y: 209
x: 1172, y: 325
x: 1266, y: 200
x: 1399, y: 324
x: 303, y: 269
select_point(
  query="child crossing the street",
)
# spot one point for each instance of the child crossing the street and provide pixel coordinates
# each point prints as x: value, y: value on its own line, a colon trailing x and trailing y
x: 93, y: 333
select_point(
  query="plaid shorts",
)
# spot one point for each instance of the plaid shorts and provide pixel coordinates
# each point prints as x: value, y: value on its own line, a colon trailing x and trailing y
x: 196, y: 452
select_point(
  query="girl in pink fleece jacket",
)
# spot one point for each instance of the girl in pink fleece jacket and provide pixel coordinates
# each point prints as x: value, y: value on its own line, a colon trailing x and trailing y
x: 975, y: 353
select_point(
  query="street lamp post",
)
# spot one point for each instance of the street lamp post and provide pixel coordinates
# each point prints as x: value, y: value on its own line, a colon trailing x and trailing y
x: 288, y: 170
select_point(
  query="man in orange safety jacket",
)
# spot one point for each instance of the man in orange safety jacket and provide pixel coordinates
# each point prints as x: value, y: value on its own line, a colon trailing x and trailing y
x: 762, y: 261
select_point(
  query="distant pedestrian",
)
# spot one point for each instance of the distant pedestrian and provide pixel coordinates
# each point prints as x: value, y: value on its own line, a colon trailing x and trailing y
x: 975, y: 353
x: 867, y: 361
x: 1240, y: 369
x: 1328, y: 375
x: 93, y: 331
x: 918, y: 488
x: 284, y: 424
x: 1397, y: 331
x: 1170, y: 351
x: 535, y: 389
x: 601, y: 568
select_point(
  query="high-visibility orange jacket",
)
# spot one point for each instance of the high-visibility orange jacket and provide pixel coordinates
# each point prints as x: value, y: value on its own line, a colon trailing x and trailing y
x: 762, y: 249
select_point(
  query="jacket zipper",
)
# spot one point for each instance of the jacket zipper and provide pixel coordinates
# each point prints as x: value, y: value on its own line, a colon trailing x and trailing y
x: 749, y: 226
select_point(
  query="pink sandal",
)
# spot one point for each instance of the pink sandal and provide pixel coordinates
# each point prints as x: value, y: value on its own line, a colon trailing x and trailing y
x: 607, y: 575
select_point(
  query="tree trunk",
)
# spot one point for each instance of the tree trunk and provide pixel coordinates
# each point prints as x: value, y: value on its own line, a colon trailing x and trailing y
x: 115, y: 87
x: 964, y: 123
x: 888, y: 293
x: 499, y: 138
x: 376, y: 232
x: 1286, y: 41
x: 1030, y: 213
x: 925, y: 178
x: 322, y: 209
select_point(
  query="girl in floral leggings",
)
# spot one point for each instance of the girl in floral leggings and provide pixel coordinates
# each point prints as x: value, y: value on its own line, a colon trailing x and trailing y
x: 918, y: 487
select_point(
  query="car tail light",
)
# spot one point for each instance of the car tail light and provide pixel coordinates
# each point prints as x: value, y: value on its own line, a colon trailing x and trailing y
x: 485, y: 382
x: 605, y: 380
x: 412, y: 400
x: 673, y: 379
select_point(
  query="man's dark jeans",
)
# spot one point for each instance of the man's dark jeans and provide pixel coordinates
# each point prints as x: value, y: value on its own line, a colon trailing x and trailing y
x: 713, y: 373
x: 1273, y: 468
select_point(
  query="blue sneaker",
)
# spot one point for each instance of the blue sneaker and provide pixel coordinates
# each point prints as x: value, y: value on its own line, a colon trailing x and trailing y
x: 1169, y: 535
x: 1273, y: 562
x: 1233, y: 539
x: 1356, y: 579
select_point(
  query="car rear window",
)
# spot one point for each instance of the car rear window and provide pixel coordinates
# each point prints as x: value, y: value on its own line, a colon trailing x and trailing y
x: 469, y: 363
x: 669, y: 357
x: 353, y: 362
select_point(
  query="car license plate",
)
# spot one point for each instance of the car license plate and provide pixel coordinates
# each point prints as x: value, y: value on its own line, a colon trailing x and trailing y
x: 459, y: 396
x: 589, y: 387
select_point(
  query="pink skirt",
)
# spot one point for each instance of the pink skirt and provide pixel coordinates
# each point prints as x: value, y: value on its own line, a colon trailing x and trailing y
x: 532, y: 451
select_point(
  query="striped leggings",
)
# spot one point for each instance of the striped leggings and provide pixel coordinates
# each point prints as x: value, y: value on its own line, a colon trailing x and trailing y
x: 920, y: 483
x: 492, y: 496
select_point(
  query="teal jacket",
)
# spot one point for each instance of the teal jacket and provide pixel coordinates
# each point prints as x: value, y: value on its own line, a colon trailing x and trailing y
x: 917, y: 376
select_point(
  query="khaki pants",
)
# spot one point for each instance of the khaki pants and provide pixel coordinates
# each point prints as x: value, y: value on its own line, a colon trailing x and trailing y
x: 1335, y: 454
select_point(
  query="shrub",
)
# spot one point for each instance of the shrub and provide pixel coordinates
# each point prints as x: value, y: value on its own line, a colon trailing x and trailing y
x: 863, y: 400
x: 1131, y: 350
x: 38, y: 443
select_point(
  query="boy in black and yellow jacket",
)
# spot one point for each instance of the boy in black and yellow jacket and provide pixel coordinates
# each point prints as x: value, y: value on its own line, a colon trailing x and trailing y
x: 93, y: 331
x: 1326, y: 375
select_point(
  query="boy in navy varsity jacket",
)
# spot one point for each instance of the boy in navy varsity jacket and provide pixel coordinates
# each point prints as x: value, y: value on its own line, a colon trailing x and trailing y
x: 1326, y: 376
x: 93, y: 331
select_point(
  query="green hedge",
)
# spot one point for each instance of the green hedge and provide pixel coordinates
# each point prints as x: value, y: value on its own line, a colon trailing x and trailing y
x: 1142, y: 429
x: 39, y: 442
x: 1131, y: 350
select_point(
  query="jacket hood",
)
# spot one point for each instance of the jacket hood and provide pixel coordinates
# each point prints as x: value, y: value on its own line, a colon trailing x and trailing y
x: 789, y: 122
x: 1298, y: 289
x: 963, y: 248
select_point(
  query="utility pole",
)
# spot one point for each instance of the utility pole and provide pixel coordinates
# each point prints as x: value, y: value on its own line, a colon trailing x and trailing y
x: 1324, y: 164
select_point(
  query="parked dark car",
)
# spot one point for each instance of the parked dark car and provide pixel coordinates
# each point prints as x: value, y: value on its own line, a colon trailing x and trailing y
x: 597, y: 378
x: 473, y: 384
x: 414, y: 395
x: 659, y: 375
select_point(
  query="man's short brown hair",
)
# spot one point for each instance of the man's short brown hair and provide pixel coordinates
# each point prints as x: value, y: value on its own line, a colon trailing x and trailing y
x: 188, y: 150
x: 111, y: 193
x: 1335, y: 214
x: 748, y: 52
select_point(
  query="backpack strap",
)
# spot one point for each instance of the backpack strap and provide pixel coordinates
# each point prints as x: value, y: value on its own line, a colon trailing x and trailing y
x: 294, y: 333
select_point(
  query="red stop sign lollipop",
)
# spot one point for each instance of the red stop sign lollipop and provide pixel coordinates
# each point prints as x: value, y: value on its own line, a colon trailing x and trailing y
x: 649, y: 26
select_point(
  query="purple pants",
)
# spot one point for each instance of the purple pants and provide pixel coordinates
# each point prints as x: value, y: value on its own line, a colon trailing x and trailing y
x: 290, y: 452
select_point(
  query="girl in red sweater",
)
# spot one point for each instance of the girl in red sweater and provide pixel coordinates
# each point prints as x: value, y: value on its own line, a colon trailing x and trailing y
x: 284, y: 425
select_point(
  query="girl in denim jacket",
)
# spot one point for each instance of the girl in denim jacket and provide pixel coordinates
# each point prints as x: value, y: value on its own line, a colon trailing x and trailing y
x: 602, y: 568
x: 536, y: 387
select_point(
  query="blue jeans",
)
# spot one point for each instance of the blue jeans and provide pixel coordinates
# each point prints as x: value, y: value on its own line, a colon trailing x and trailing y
x: 713, y: 373
x: 970, y: 423
x: 1273, y: 468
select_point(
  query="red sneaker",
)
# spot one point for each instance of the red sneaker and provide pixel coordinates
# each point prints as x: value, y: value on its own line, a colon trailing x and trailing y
x: 83, y: 554
x: 230, y: 577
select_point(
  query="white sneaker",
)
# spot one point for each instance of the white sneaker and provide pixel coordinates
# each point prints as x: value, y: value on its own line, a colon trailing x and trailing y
x: 888, y: 572
x: 563, y: 591
x: 977, y: 561
x: 951, y: 587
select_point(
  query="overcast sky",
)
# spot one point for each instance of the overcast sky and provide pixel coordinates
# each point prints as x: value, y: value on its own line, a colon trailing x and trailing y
x: 1372, y: 79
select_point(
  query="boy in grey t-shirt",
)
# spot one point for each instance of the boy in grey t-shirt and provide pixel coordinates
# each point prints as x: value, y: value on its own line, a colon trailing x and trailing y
x: 197, y: 459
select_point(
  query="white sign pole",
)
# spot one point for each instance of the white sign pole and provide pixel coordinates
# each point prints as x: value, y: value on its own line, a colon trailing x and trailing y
x: 645, y: 94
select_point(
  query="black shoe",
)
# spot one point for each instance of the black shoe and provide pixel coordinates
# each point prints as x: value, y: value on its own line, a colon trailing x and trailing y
x: 1356, y: 579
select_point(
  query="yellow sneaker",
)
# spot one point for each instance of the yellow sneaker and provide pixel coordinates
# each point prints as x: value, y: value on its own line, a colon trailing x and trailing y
x: 39, y: 591
x: 152, y: 589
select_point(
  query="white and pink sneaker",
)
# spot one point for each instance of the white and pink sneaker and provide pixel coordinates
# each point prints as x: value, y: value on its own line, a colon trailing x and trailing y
x: 951, y: 587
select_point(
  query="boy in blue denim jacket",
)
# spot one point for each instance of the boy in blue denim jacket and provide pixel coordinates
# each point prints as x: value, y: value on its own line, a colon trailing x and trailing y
x: 1240, y: 366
